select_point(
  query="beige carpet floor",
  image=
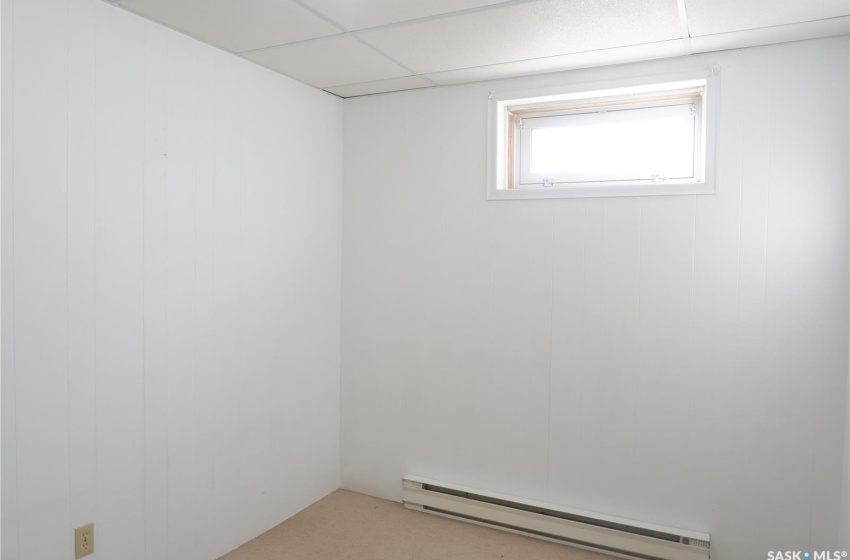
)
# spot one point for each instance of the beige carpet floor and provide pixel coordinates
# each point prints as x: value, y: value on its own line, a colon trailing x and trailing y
x: 350, y: 526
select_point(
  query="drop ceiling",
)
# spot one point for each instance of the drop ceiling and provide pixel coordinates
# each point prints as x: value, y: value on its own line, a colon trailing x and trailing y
x: 361, y: 47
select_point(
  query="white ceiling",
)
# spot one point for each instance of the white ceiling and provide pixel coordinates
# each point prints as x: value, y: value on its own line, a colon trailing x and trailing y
x: 361, y: 47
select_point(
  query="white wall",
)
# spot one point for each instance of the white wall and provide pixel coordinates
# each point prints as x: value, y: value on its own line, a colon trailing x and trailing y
x: 171, y: 246
x: 844, y: 517
x: 680, y: 360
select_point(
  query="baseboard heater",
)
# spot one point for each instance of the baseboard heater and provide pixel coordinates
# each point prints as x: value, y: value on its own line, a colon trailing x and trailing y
x: 601, y: 533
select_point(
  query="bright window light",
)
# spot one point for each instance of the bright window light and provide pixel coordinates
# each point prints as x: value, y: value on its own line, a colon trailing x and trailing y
x: 642, y: 144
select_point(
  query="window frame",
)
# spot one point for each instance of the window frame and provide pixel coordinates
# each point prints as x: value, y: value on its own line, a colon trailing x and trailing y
x: 504, y: 135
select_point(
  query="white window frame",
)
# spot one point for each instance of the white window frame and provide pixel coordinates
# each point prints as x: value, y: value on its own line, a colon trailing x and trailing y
x: 508, y: 176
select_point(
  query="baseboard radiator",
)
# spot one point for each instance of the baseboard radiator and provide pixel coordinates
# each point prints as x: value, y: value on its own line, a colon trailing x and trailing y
x: 619, y: 537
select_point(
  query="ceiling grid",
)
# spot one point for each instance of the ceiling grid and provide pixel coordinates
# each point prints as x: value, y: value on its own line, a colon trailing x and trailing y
x: 362, y: 47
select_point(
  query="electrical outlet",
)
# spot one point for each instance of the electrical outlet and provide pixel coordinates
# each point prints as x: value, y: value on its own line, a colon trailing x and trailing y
x: 83, y: 540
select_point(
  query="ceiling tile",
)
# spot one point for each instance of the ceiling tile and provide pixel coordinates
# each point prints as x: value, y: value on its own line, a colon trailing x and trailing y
x: 329, y: 62
x: 525, y: 31
x: 706, y: 17
x: 236, y: 25
x: 620, y: 55
x: 381, y: 86
x: 360, y: 14
x: 771, y: 35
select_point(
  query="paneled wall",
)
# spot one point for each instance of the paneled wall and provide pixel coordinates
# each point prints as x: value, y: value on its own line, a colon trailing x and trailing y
x: 171, y: 261
x: 677, y: 359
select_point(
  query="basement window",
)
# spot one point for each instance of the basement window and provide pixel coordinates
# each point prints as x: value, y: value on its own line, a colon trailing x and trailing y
x: 647, y: 139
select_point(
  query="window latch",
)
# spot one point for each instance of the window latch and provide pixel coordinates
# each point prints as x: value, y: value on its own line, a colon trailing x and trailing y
x: 658, y: 178
x: 547, y: 182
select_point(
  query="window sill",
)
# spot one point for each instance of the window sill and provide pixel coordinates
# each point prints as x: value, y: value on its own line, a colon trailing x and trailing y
x: 595, y: 190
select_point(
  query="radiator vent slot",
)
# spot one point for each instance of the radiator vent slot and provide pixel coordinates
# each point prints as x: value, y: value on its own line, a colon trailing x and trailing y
x: 695, y: 542
x: 604, y: 533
